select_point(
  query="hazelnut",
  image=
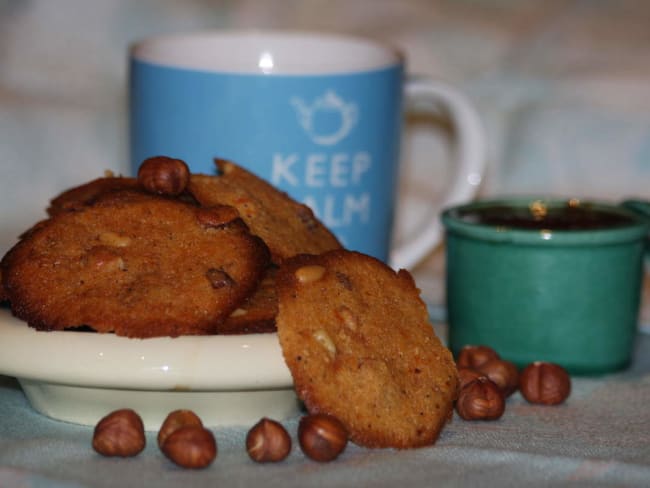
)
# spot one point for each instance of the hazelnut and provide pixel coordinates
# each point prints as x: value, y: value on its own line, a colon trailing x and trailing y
x: 163, y: 175
x: 504, y: 373
x: 191, y: 447
x: 268, y: 441
x: 474, y: 356
x: 545, y: 383
x: 480, y: 399
x: 322, y: 437
x: 467, y: 375
x: 174, y: 421
x: 120, y: 433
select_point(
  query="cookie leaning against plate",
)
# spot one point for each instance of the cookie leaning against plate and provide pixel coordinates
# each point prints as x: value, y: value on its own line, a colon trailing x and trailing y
x: 358, y: 342
x: 134, y: 264
x: 286, y: 226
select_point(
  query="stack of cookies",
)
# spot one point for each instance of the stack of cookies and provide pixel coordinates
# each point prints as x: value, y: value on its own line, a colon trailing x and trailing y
x: 171, y: 253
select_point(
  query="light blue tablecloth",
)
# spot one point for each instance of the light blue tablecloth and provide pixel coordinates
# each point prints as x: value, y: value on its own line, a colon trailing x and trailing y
x: 599, y: 437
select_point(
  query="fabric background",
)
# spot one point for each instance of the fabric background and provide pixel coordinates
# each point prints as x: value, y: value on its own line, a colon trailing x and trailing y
x: 561, y: 85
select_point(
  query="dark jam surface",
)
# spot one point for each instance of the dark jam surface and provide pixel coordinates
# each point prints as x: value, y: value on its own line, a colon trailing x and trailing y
x: 539, y: 217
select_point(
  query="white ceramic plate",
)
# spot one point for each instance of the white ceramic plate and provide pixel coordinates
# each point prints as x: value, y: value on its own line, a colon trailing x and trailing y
x: 81, y: 376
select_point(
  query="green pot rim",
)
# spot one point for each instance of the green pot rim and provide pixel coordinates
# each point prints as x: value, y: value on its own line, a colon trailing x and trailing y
x: 637, y: 230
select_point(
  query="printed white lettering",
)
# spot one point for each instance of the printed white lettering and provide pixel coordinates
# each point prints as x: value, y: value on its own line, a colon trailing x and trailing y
x: 340, y: 212
x: 318, y: 170
x: 359, y: 206
x: 282, y: 169
x: 360, y: 165
x: 340, y: 170
x: 315, y: 170
x: 329, y: 212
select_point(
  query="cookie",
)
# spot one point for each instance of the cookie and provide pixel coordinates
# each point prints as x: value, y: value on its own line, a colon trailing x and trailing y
x: 86, y: 194
x: 357, y: 340
x: 256, y: 314
x: 135, y: 264
x: 3, y: 295
x: 159, y: 175
x: 286, y: 226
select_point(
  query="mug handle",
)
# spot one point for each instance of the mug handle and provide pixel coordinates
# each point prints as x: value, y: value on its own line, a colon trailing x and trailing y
x: 437, y: 98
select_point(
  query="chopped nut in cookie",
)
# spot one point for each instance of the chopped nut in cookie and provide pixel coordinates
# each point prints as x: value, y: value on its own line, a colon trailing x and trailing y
x: 309, y: 274
x: 113, y: 239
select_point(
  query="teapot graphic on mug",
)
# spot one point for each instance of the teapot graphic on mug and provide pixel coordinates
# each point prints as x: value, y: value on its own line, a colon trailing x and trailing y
x: 328, y: 119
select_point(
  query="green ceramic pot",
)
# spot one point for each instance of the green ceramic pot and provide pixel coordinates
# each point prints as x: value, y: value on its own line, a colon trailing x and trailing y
x: 567, y: 295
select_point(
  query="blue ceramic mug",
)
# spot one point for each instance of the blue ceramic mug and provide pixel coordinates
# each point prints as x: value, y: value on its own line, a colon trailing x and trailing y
x: 318, y: 115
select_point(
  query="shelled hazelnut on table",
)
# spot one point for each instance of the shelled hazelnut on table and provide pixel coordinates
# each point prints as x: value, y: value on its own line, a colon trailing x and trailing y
x: 481, y: 370
x: 120, y: 433
x: 473, y: 356
x: 268, y: 441
x: 466, y: 376
x: 174, y: 421
x: 184, y: 440
x: 545, y: 383
x: 481, y: 399
x: 191, y: 446
x: 504, y: 373
x: 322, y: 437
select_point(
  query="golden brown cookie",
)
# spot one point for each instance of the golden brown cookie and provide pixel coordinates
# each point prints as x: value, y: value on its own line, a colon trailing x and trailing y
x: 158, y: 175
x: 358, y: 342
x: 134, y: 264
x: 287, y: 227
x: 86, y: 194
x: 3, y: 295
x: 256, y: 314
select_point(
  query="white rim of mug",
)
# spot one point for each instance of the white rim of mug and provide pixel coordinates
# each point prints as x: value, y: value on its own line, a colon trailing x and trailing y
x: 347, y: 54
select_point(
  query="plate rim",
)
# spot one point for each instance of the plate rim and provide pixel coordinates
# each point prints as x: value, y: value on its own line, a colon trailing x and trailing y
x: 185, y: 363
